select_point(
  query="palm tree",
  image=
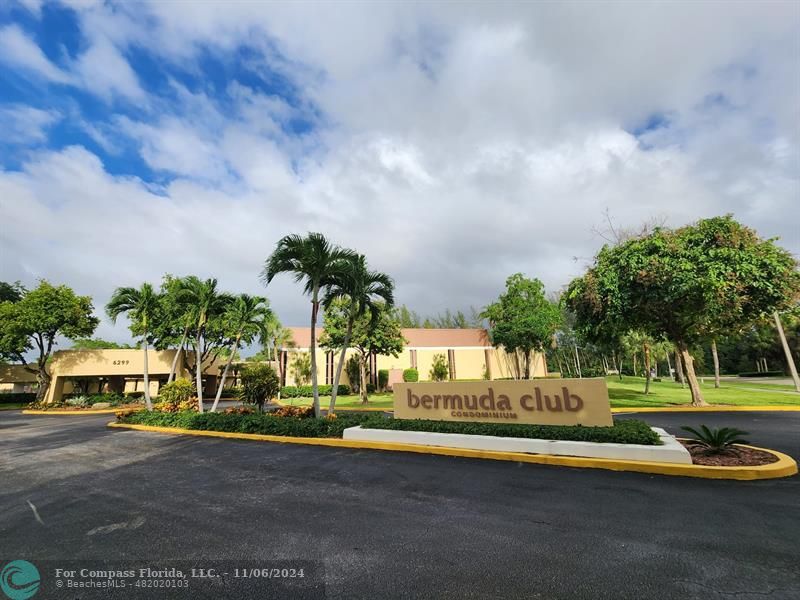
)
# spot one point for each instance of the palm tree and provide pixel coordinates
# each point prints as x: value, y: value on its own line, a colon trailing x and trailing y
x: 207, y: 303
x: 273, y: 337
x: 175, y: 298
x: 141, y: 306
x: 245, y: 318
x: 361, y: 289
x: 314, y: 261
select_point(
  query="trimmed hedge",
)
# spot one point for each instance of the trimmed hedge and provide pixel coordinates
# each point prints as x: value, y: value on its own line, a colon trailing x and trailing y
x: 383, y: 378
x: 622, y: 432
x: 307, y: 391
x: 17, y: 397
x: 411, y: 375
x: 762, y: 374
x: 255, y: 423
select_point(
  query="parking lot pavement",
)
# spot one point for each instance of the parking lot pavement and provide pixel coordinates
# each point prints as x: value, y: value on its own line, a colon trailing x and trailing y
x: 395, y: 525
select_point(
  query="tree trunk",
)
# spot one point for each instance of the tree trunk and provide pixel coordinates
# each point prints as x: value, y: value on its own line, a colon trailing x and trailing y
x: 43, y: 379
x: 177, y: 354
x: 787, y: 352
x: 362, y: 371
x: 314, y: 384
x: 198, y: 369
x: 646, y: 352
x: 716, y: 362
x: 669, y: 364
x: 679, y: 368
x: 578, y: 362
x: 694, y: 386
x: 221, y: 384
x: 634, y: 364
x: 340, y: 366
x: 148, y: 403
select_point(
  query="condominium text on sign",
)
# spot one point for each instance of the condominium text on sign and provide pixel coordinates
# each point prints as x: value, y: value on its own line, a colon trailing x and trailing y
x: 544, y: 402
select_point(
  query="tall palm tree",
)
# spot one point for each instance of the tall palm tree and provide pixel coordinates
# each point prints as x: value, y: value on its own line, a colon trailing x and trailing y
x: 313, y: 261
x: 141, y: 306
x: 245, y: 318
x: 361, y: 289
x: 207, y: 303
x: 175, y: 298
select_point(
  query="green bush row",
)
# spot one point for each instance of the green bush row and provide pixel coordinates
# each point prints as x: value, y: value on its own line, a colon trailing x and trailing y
x: 622, y: 432
x: 255, y: 423
x: 307, y: 391
x: 411, y: 375
x: 17, y: 397
x: 762, y: 374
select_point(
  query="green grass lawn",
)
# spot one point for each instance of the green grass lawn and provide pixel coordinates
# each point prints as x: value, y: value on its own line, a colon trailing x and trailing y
x: 13, y: 405
x: 627, y: 393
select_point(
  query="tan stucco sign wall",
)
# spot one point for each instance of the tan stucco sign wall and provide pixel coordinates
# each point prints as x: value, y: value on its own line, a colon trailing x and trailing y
x: 540, y: 401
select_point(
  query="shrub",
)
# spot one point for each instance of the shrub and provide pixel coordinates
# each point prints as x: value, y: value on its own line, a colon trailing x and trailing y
x: 264, y: 423
x: 78, y: 402
x: 351, y: 367
x: 439, y: 369
x: 383, y: 379
x: 172, y: 395
x: 17, y: 397
x: 137, y: 394
x: 628, y: 431
x: 410, y: 375
x: 307, y: 391
x: 301, y: 412
x: 301, y: 368
x: 260, y: 384
x: 762, y: 374
x: 716, y: 441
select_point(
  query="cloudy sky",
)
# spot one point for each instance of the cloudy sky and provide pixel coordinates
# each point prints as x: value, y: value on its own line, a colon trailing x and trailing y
x: 452, y: 143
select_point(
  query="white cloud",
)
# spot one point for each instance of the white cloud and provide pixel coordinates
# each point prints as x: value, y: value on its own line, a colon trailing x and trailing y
x: 22, y: 124
x: 19, y: 50
x: 453, y: 144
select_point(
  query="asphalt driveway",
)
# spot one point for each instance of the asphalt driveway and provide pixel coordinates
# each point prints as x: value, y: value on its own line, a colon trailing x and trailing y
x: 371, y: 524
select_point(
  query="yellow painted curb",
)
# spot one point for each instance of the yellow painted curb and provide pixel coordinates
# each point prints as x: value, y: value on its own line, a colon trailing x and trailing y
x: 104, y: 411
x: 785, y: 467
x: 645, y: 409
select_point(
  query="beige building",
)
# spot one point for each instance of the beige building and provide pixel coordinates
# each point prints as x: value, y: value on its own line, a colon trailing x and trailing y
x: 101, y: 371
x: 468, y: 352
x: 16, y: 379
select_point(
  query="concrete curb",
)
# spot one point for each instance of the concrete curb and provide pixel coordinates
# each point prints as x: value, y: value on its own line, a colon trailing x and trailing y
x: 785, y: 467
x: 104, y: 411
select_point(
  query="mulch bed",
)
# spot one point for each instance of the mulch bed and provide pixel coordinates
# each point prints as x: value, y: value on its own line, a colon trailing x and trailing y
x: 739, y: 457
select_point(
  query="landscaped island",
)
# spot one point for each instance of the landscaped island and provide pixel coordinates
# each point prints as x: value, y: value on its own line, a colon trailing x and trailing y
x: 623, y: 432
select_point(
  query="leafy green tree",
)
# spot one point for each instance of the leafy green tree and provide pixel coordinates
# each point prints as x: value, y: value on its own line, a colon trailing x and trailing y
x: 208, y: 306
x: 245, y: 319
x: 36, y: 320
x: 687, y: 285
x: 98, y: 344
x: 259, y: 384
x: 314, y: 261
x: 439, y: 368
x: 301, y: 368
x: 359, y: 290
x: 375, y: 332
x: 141, y: 306
x: 523, y: 322
x: 408, y: 318
x: 11, y: 292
